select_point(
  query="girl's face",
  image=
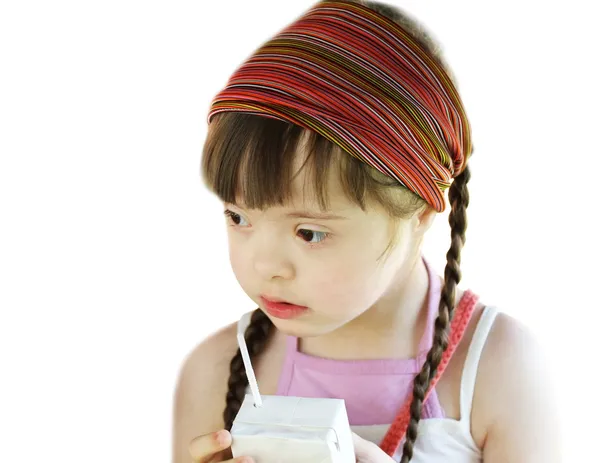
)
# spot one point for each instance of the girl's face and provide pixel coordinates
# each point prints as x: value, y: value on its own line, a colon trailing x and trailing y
x: 326, y: 262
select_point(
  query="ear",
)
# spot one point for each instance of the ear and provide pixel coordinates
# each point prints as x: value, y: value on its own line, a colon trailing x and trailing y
x: 424, y: 219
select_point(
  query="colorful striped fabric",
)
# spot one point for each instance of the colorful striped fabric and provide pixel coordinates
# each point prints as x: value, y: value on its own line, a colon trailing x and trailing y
x: 358, y: 79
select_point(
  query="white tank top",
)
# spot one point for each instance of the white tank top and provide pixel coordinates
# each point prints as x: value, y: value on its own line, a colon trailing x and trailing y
x: 443, y: 440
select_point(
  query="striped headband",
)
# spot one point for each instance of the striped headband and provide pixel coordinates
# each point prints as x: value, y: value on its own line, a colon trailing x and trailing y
x: 361, y: 81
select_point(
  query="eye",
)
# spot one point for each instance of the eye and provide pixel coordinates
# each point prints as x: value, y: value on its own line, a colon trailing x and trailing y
x: 235, y: 218
x: 310, y: 235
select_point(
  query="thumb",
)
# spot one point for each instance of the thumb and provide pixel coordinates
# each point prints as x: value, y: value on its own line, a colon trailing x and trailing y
x: 363, y: 449
x: 368, y: 452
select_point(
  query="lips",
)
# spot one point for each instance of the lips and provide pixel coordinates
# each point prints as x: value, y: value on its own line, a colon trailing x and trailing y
x: 281, y: 309
x: 274, y: 299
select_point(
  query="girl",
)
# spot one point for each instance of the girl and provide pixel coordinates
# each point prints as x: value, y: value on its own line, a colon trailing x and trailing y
x: 332, y: 149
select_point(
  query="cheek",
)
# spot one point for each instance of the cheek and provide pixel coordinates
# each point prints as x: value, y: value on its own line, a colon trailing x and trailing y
x: 345, y: 288
x: 239, y: 262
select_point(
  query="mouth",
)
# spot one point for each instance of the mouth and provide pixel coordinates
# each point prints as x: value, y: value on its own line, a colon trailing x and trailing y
x: 282, y: 309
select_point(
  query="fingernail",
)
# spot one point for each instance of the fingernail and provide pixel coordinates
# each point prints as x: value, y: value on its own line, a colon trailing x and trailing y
x: 222, y: 438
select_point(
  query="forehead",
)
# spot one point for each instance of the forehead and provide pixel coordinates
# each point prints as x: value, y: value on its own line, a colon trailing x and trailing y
x: 303, y: 195
x: 303, y: 187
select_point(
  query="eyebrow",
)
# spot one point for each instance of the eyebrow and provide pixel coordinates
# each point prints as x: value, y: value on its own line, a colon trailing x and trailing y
x: 313, y: 215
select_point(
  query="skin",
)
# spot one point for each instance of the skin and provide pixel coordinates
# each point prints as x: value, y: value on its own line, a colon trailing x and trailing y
x: 352, y: 296
x: 315, y: 263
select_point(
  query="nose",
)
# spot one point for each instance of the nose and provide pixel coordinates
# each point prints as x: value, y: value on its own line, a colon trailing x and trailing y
x: 270, y: 260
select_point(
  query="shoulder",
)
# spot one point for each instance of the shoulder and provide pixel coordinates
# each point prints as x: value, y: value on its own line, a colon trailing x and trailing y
x: 514, y: 396
x: 207, y: 365
x: 511, y: 359
x: 201, y: 388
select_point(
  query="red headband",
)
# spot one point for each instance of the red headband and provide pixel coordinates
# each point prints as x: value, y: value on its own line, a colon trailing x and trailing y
x: 361, y: 81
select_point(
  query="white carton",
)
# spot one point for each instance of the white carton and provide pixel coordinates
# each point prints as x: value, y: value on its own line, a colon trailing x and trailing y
x: 293, y: 430
x: 278, y: 429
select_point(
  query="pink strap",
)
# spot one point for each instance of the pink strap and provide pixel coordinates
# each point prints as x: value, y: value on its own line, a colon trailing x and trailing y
x: 458, y: 326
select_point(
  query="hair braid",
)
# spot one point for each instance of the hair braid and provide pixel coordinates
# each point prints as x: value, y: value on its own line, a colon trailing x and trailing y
x: 459, y: 199
x: 256, y: 335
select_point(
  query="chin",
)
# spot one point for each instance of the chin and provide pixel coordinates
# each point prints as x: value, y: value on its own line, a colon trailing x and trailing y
x: 300, y: 327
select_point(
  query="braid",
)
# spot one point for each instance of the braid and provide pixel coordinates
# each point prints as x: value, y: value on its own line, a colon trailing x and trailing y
x: 459, y: 199
x: 257, y: 334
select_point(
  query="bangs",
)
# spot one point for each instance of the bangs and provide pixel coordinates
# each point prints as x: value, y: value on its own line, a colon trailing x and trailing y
x: 253, y: 160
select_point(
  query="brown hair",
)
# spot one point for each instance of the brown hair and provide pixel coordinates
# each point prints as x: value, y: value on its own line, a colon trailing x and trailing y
x: 251, y: 157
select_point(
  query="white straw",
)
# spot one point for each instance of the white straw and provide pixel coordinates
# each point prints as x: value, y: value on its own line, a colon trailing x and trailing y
x: 242, y: 325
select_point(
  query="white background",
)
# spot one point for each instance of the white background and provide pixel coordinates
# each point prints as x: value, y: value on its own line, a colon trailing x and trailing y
x: 113, y: 259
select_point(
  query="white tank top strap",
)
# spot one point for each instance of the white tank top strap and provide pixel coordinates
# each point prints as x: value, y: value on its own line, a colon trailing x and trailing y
x: 469, y: 374
x: 244, y: 321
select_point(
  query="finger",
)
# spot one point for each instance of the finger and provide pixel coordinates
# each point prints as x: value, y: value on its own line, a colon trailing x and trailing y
x: 362, y: 448
x: 224, y: 458
x: 203, y: 448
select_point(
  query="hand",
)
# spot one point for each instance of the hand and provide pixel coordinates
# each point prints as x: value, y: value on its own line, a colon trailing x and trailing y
x: 368, y: 452
x: 214, y: 447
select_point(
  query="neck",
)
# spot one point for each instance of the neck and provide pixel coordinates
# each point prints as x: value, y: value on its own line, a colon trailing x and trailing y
x: 391, y: 328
